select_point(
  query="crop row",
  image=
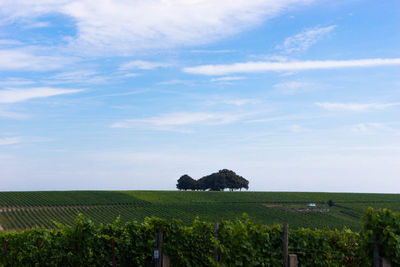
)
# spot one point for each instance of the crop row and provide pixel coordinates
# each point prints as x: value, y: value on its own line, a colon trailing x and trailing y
x: 20, y: 218
x: 180, y: 197
x: 21, y: 210
x: 62, y: 198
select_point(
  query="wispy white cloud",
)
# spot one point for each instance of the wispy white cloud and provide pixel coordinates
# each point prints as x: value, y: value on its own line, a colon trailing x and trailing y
x: 270, y: 58
x: 205, y: 51
x: 254, y: 67
x: 132, y: 74
x: 132, y: 25
x: 375, y: 128
x: 13, y: 59
x: 292, y: 117
x: 176, y: 81
x: 170, y: 120
x: 240, y: 102
x: 9, y: 141
x: 366, y: 148
x: 12, y: 81
x: 13, y: 115
x: 38, y: 24
x: 303, y: 40
x: 136, y: 92
x: 73, y: 75
x: 9, y: 42
x: 19, y: 95
x: 296, y: 128
x: 369, y: 127
x: 228, y: 79
x: 293, y: 87
x: 143, y: 65
x: 233, y: 101
x: 79, y: 76
x: 355, y: 106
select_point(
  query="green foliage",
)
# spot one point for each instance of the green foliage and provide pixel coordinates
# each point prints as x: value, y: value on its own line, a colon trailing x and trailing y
x: 242, y: 243
x: 186, y: 182
x: 239, y: 243
x: 325, y: 247
x: 82, y: 244
x: 215, y: 182
x: 386, y: 225
x: 189, y: 245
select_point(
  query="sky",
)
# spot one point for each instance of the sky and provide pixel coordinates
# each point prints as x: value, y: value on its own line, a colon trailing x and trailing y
x: 293, y: 95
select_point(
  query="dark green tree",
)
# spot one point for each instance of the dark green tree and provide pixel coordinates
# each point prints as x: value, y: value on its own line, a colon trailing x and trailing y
x: 186, y: 182
x: 232, y: 180
x: 213, y: 182
x: 223, y: 179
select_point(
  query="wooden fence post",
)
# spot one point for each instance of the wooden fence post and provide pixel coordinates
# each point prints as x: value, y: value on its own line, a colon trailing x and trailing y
x: 293, y: 262
x: 114, y: 261
x: 285, y: 245
x: 376, y: 259
x: 158, y: 248
x: 216, y: 252
x: 386, y: 263
x: 166, y: 261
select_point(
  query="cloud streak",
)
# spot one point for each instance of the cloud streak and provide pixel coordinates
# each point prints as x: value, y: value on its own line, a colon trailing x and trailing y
x: 228, y: 79
x: 372, y: 128
x: 13, y: 59
x: 240, y: 102
x: 233, y: 101
x: 302, y: 41
x: 134, y: 25
x: 13, y: 115
x: 179, y: 119
x: 9, y: 42
x: 355, y: 106
x: 79, y: 76
x: 20, y: 95
x: 143, y: 65
x: 9, y: 141
x: 293, y: 87
x: 257, y: 67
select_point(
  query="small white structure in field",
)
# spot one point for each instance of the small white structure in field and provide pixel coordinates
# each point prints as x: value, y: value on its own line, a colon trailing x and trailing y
x: 311, y: 205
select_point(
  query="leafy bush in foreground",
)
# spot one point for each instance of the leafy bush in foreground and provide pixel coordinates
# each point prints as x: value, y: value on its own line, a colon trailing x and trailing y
x: 240, y: 243
x: 386, y: 225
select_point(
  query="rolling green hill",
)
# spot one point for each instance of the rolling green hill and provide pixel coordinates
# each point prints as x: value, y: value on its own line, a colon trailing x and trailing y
x: 21, y: 210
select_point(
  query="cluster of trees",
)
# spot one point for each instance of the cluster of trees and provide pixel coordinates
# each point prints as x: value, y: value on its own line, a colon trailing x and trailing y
x: 214, y: 182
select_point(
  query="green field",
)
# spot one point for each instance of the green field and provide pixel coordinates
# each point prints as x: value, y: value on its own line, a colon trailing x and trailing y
x: 21, y: 210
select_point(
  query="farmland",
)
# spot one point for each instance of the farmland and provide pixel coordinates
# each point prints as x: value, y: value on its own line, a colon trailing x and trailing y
x: 21, y: 210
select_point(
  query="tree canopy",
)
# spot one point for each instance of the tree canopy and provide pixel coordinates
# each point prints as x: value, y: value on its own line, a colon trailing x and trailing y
x: 214, y: 182
x: 186, y: 182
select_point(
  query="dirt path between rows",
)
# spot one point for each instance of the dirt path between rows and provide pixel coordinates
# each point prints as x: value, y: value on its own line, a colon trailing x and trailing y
x: 306, y: 210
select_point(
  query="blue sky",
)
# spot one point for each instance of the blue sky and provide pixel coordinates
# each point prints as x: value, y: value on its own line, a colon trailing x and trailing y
x: 294, y: 95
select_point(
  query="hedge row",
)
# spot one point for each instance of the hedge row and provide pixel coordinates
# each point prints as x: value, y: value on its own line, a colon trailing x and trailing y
x: 240, y: 243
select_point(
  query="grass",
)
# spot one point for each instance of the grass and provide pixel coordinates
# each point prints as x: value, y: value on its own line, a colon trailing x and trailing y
x: 21, y: 210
